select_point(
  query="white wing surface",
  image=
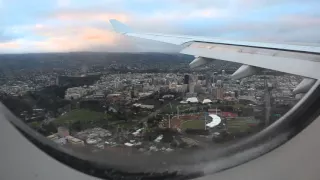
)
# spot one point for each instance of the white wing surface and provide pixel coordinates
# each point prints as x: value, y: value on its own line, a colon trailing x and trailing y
x: 303, y: 60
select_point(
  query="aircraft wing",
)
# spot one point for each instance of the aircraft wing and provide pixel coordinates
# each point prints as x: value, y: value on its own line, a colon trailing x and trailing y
x: 303, y: 60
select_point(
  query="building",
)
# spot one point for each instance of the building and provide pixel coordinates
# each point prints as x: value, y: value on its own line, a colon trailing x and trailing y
x: 182, y: 88
x: 200, y: 77
x: 191, y: 87
x: 168, y: 96
x: 61, y: 141
x: 214, y: 77
x: 206, y: 101
x: 112, y: 98
x: 251, y: 91
x: 247, y: 100
x: 192, y: 100
x: 213, y: 92
x: 219, y: 83
x: 219, y: 89
x: 164, y: 89
x: 76, y: 92
x: 57, y: 139
x: 214, y: 111
x: 186, y: 79
x: 98, y: 95
x: 197, y: 88
x: 63, y: 131
x: 208, y: 80
x: 223, y: 72
x: 220, y: 93
x: 228, y: 114
x: 53, y: 137
x: 143, y: 106
x: 145, y: 95
x: 188, y: 95
x: 138, y: 87
x: 216, y: 120
x: 74, y: 141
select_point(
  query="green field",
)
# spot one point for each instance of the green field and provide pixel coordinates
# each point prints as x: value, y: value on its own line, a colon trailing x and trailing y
x: 193, y: 124
x: 81, y: 119
x: 238, y: 105
x: 240, y: 125
x: 83, y: 116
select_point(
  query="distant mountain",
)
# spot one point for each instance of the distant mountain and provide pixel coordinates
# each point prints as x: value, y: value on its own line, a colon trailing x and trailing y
x: 63, y: 60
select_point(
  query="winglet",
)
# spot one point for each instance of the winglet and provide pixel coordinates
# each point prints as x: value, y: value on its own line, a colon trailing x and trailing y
x: 120, y: 27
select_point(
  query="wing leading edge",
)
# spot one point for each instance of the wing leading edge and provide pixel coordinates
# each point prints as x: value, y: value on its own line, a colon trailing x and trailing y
x: 182, y: 39
x: 293, y: 59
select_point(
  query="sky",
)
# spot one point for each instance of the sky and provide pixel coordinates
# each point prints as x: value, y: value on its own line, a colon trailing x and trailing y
x: 31, y: 26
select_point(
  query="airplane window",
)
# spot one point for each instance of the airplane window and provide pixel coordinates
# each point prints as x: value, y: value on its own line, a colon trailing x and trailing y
x: 139, y: 105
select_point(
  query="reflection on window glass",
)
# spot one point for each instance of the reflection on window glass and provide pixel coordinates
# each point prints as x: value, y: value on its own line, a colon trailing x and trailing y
x: 142, y: 103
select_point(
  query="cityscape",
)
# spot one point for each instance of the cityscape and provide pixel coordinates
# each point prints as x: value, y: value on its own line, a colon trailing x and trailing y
x: 142, y: 103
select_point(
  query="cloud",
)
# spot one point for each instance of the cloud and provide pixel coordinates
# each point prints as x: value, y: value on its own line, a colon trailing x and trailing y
x: 88, y: 15
x: 70, y: 38
x: 302, y: 20
x: 9, y: 45
x: 284, y: 29
x: 73, y: 38
x: 63, y: 3
x: 72, y: 25
x: 203, y: 3
x: 181, y: 15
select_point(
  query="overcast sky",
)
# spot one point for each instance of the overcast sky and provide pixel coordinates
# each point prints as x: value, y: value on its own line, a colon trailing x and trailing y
x: 82, y: 25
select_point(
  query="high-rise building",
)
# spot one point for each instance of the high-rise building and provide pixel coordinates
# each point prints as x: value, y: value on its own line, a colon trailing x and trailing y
x: 219, y: 83
x: 219, y: 90
x: 220, y: 93
x: 198, y: 88
x: 191, y: 83
x: 182, y: 88
x: 191, y: 87
x: 214, y: 92
x: 236, y: 94
x: 116, y: 83
x: 186, y: 79
x: 208, y: 81
x: 214, y: 77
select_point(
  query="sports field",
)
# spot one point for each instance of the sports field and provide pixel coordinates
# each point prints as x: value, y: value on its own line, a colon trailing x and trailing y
x: 192, y: 124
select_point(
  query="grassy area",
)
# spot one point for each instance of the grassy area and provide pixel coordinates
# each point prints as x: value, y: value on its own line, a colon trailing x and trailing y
x: 193, y: 124
x: 81, y: 119
x: 127, y: 124
x: 240, y: 125
x: 238, y: 128
x: 35, y: 125
x: 237, y: 105
x: 83, y: 116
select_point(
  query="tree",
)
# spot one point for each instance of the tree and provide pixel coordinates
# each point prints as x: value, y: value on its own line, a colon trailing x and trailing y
x: 35, y: 125
x: 48, y: 129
